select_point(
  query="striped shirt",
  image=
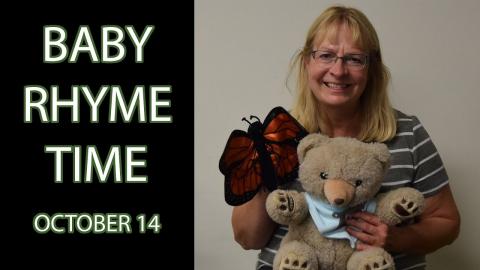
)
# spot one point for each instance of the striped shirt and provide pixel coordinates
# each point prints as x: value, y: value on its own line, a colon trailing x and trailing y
x: 415, y: 162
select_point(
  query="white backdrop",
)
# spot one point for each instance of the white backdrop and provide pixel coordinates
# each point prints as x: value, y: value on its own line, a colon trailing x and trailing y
x: 242, y: 53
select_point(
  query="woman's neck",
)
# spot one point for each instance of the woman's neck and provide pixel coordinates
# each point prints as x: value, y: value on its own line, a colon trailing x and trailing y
x: 341, y: 123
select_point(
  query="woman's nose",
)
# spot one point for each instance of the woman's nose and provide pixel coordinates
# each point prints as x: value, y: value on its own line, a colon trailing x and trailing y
x: 338, y: 69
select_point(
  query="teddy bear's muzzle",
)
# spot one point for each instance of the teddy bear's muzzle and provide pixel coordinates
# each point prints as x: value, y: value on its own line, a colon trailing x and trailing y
x: 338, y: 192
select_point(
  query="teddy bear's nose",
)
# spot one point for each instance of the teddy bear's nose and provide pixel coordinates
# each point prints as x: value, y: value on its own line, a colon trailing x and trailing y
x: 339, y: 201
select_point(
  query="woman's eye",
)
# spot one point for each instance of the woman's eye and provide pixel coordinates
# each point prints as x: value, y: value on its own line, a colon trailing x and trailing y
x: 355, y: 59
x: 324, y: 175
x: 326, y: 56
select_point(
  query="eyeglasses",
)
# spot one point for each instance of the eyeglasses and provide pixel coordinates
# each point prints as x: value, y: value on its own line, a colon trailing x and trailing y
x: 352, y: 61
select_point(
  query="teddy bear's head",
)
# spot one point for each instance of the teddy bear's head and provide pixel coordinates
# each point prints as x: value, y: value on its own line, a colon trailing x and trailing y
x: 343, y: 171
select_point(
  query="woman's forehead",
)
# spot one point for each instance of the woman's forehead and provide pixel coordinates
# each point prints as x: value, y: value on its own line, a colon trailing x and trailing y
x: 338, y: 34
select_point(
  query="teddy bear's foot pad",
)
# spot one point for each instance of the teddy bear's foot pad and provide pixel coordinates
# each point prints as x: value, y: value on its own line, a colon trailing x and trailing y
x: 295, y: 262
x: 406, y: 208
x: 376, y: 263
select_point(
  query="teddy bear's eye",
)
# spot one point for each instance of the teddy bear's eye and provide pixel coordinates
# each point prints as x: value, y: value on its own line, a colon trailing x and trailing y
x: 323, y: 175
x: 358, y: 182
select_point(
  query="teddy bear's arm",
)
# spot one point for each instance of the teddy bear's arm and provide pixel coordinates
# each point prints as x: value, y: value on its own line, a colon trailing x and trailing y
x: 399, y: 205
x: 287, y: 206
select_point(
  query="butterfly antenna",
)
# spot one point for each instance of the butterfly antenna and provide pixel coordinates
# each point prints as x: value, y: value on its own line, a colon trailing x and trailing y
x: 254, y: 117
x: 245, y: 119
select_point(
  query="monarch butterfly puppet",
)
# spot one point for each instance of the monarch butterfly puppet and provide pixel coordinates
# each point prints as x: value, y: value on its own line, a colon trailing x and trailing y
x: 265, y: 156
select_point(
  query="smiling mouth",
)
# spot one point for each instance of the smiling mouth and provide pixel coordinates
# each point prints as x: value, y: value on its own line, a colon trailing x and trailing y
x: 336, y: 86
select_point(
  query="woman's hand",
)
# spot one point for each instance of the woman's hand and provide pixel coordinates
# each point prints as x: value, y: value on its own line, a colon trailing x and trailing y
x: 437, y: 226
x: 369, y: 230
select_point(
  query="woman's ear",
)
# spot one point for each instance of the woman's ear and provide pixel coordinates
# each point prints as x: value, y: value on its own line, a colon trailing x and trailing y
x: 309, y: 142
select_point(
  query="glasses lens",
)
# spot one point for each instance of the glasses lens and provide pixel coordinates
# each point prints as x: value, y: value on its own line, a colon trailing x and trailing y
x: 354, y: 61
x: 324, y: 57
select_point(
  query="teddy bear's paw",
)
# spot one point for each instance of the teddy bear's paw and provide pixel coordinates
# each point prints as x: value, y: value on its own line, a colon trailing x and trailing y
x: 377, y: 263
x: 405, y: 208
x: 294, y: 262
x: 285, y: 202
x: 374, y: 258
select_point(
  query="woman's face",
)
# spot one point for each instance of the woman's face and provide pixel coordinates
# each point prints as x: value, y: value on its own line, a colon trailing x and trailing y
x: 337, y: 85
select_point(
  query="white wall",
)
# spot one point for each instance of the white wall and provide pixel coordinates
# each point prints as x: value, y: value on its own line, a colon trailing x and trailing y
x: 242, y: 52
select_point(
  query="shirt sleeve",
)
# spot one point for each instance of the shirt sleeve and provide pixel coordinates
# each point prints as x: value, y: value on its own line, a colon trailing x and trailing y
x: 429, y: 172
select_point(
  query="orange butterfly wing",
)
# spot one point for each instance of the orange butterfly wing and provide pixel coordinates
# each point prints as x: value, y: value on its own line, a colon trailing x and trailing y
x: 242, y: 159
x: 239, y: 163
x: 282, y: 133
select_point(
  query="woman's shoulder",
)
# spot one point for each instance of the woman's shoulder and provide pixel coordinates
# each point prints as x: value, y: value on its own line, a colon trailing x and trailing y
x: 409, y: 132
x: 406, y: 122
x: 402, y: 116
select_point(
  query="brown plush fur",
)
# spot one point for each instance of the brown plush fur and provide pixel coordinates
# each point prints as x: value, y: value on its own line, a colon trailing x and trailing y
x: 343, y: 172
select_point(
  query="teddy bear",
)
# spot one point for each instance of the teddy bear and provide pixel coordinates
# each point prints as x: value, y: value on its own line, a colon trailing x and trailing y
x: 338, y: 176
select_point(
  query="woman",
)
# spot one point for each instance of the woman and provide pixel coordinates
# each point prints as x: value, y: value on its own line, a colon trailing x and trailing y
x: 342, y: 91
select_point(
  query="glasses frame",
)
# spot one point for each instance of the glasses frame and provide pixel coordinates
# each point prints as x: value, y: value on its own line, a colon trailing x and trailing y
x: 343, y: 58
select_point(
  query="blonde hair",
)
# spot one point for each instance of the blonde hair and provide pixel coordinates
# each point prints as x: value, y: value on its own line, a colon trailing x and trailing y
x: 378, y: 116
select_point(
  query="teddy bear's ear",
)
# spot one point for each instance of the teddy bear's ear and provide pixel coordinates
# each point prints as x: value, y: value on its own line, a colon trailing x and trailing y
x: 381, y: 152
x: 309, y: 142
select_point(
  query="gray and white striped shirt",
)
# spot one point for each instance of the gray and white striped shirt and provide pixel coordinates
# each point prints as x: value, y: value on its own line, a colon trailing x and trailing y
x: 415, y: 162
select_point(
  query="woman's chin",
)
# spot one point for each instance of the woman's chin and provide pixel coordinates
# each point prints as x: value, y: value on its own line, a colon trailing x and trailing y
x: 336, y: 100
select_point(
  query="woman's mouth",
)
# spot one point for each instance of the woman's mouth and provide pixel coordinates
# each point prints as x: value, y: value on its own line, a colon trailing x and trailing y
x: 336, y: 86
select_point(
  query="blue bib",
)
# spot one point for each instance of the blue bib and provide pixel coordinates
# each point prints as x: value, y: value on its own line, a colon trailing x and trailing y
x: 329, y: 219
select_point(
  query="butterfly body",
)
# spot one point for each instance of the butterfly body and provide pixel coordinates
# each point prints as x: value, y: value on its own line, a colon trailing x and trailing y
x: 255, y: 131
x: 264, y: 156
